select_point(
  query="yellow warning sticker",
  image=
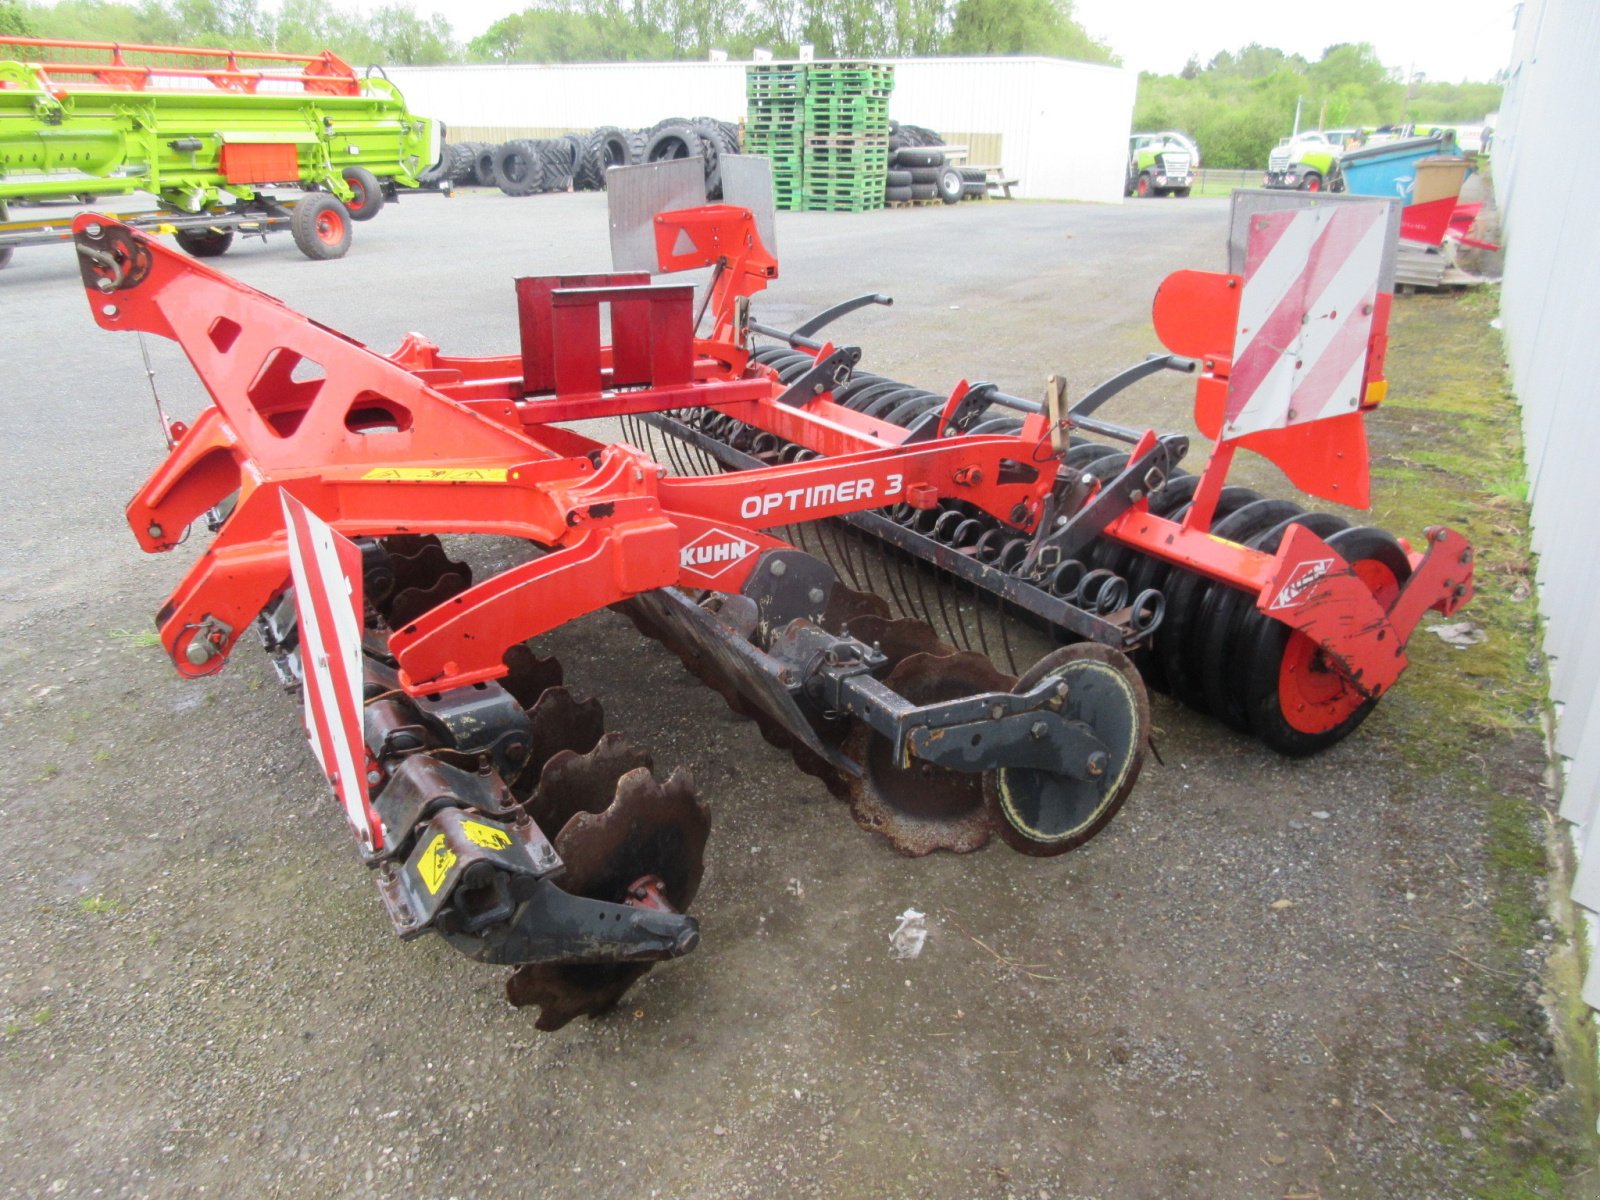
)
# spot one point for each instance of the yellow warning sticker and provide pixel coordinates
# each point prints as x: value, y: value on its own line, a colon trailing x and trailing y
x: 437, y: 474
x: 435, y: 864
x: 486, y: 836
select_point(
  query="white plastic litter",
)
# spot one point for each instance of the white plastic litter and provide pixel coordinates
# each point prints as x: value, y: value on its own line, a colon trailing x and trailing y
x: 909, y: 935
x: 1461, y: 634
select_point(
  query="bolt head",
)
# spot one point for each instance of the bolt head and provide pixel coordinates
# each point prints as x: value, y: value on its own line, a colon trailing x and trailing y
x: 1097, y: 763
x: 779, y: 567
x: 155, y: 530
x: 816, y: 596
x: 199, y: 651
x: 1038, y: 730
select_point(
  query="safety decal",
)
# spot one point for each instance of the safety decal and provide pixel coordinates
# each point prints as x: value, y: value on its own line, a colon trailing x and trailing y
x: 486, y: 836
x: 435, y: 864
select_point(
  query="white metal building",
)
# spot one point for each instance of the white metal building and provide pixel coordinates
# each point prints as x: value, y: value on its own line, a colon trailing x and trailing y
x: 1550, y: 307
x: 1059, y: 127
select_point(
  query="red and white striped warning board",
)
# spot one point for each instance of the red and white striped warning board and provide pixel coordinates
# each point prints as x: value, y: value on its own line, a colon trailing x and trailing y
x: 327, y: 592
x: 1305, y: 315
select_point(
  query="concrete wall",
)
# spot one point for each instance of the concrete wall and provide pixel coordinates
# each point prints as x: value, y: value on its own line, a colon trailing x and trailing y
x: 1059, y: 127
x: 1550, y: 307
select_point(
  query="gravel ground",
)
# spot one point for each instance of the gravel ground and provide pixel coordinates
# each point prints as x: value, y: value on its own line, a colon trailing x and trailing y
x: 1255, y: 983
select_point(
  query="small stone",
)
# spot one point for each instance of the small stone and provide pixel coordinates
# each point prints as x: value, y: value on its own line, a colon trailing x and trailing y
x: 719, y: 1131
x: 1322, y: 815
x: 1280, y: 905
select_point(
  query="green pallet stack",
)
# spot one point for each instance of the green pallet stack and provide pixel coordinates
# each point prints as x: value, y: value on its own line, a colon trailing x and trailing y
x: 775, y: 126
x: 847, y: 135
x: 825, y: 126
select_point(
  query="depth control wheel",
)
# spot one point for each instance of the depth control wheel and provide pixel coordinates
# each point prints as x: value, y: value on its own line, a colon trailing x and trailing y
x: 1044, y: 814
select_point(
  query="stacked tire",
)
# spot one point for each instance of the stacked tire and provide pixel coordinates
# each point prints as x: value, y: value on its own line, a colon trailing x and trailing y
x: 677, y: 137
x: 579, y: 162
x: 922, y: 173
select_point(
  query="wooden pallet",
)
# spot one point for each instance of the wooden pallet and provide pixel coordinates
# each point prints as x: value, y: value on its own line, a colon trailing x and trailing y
x: 912, y: 203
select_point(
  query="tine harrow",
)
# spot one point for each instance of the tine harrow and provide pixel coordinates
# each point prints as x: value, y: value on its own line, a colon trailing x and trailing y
x: 944, y: 607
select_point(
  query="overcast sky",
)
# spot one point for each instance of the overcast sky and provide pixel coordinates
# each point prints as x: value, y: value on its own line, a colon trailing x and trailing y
x: 1446, y: 39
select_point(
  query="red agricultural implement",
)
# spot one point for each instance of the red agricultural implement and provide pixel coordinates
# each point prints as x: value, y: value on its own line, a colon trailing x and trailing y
x: 831, y: 551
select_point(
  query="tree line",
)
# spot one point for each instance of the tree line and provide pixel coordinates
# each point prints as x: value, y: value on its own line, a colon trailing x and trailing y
x: 1237, y: 105
x: 580, y: 30
x: 1240, y: 103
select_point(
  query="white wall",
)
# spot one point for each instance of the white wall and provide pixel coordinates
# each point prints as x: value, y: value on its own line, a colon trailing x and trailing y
x: 1550, y: 308
x: 1064, y: 125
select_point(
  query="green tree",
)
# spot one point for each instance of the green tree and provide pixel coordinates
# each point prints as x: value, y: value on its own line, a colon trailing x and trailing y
x: 1244, y: 100
x: 13, y: 23
x: 1022, y: 27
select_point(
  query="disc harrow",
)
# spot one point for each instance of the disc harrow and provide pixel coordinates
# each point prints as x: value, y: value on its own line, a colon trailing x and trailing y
x: 943, y: 607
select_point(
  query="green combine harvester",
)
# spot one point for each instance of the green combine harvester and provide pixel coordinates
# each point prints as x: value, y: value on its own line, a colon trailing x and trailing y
x: 212, y: 135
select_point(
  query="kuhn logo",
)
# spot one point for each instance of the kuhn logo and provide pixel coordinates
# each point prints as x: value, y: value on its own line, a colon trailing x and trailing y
x: 1300, y: 581
x: 713, y: 552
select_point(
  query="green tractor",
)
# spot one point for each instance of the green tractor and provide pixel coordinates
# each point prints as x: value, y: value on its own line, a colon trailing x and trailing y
x: 1160, y: 164
x: 1307, y: 162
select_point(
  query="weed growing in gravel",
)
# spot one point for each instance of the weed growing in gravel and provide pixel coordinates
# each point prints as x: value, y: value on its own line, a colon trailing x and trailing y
x: 96, y: 906
x: 143, y: 639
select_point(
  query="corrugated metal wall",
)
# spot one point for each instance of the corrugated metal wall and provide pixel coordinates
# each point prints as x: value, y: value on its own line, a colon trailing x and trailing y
x: 1550, y: 306
x: 1061, y: 128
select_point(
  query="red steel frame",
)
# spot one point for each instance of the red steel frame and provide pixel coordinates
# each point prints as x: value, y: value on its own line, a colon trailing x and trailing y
x: 324, y: 73
x: 423, y: 442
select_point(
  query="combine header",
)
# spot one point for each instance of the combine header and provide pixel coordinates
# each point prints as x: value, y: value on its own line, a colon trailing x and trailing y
x: 796, y: 573
x: 211, y: 134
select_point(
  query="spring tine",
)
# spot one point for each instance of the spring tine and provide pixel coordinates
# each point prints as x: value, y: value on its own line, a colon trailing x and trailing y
x: 977, y: 609
x: 822, y: 545
x: 891, y: 559
x: 685, y: 454
x: 1005, y: 637
x: 926, y: 615
x: 680, y: 465
x: 845, y: 539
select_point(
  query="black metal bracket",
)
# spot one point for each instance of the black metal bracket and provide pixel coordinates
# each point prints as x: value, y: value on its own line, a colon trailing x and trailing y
x: 552, y: 926
x: 975, y: 733
x: 979, y: 396
x: 1064, y: 536
x: 838, y: 676
x: 832, y: 373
